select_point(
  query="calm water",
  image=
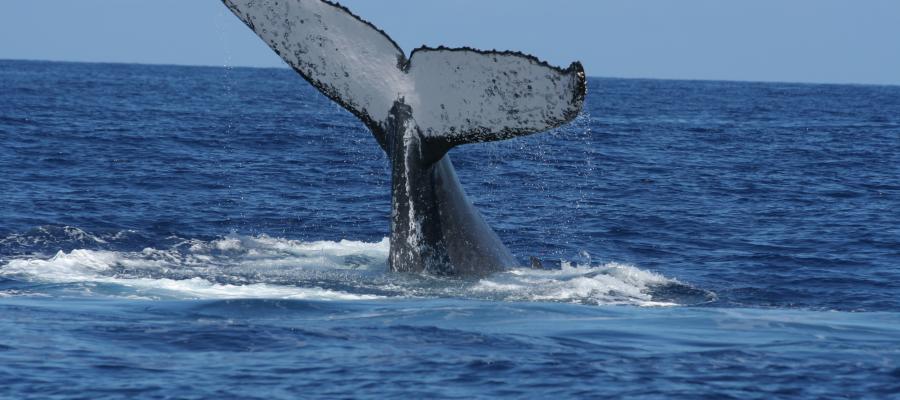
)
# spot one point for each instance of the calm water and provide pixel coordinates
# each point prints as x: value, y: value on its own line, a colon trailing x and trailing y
x: 184, y: 232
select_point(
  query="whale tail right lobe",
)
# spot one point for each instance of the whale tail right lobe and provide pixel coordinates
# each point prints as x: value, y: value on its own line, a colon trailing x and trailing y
x: 467, y: 95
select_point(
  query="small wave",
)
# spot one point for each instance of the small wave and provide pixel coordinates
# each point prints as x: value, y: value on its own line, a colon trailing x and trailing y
x: 237, y: 266
x: 48, y: 239
x: 15, y: 121
x: 52, y: 234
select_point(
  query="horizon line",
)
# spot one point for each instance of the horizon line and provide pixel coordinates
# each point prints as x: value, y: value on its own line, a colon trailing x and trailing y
x: 287, y: 67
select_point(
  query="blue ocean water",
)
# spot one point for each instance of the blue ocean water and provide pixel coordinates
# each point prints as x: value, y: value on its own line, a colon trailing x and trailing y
x: 199, y: 232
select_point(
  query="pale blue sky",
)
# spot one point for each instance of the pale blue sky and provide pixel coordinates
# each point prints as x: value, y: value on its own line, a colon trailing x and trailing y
x: 843, y: 41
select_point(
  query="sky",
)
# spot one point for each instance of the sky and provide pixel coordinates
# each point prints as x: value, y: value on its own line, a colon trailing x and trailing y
x: 831, y: 41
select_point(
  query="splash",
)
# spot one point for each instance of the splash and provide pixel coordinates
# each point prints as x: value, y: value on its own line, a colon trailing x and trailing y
x: 611, y: 283
x: 237, y: 266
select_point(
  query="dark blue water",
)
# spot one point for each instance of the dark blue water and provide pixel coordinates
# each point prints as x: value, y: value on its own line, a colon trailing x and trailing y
x: 186, y: 232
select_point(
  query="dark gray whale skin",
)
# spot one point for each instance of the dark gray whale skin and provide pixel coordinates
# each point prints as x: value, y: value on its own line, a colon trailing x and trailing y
x: 434, y: 227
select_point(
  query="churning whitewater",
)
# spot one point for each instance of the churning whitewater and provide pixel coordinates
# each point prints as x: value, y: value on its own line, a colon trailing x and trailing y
x: 266, y: 267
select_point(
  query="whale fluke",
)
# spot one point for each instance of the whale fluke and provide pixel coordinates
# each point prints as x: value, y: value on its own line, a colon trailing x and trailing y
x: 418, y: 108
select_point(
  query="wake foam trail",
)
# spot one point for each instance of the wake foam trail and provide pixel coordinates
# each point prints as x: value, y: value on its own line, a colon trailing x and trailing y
x: 238, y: 266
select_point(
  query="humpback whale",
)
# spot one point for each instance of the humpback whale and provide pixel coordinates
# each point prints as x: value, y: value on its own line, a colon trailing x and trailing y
x: 418, y: 108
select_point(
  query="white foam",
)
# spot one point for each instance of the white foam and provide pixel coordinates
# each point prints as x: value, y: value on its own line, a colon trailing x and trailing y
x: 100, y: 266
x: 612, y: 283
x: 78, y: 265
x: 264, y: 250
x: 237, y: 266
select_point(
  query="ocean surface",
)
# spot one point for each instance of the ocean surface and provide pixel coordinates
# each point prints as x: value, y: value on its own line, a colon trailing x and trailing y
x: 201, y: 232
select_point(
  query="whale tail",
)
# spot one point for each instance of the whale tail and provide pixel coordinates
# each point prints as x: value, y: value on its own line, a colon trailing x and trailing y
x: 418, y: 108
x: 457, y: 95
